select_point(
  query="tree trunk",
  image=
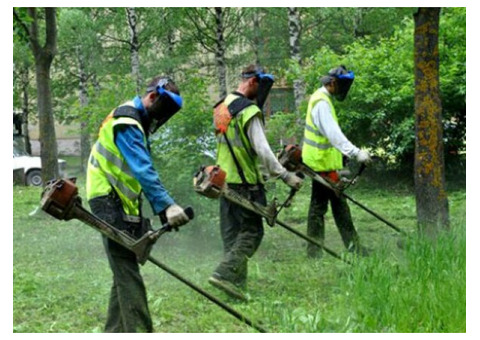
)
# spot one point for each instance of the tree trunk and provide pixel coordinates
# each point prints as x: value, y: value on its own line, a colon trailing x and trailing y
x: 257, y: 39
x: 95, y: 83
x: 25, y: 110
x: 220, y: 52
x: 48, y: 142
x: 134, y: 47
x: 431, y: 196
x: 83, y: 98
x: 43, y: 60
x: 294, y: 30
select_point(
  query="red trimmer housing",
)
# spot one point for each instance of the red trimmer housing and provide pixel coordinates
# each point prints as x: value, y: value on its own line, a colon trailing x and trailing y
x: 209, y: 181
x: 291, y: 157
x: 59, y: 197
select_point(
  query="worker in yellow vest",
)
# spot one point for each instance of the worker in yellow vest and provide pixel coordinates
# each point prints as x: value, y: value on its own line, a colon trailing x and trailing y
x: 323, y: 148
x: 120, y: 169
x: 242, y: 151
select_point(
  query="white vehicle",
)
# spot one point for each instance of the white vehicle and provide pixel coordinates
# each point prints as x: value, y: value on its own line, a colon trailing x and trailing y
x: 33, y: 166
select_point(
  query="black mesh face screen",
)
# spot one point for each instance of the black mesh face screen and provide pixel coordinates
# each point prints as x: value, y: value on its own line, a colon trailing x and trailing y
x: 264, y: 86
x: 343, y: 86
x: 161, y: 111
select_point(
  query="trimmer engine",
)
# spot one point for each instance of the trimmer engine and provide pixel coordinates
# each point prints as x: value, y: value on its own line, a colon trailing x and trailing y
x: 209, y: 181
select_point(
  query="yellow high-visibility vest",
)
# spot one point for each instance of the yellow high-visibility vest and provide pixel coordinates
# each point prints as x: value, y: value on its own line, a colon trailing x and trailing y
x: 107, y: 168
x: 317, y: 152
x: 241, y: 146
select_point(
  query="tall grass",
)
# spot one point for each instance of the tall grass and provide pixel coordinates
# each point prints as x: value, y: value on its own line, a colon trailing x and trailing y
x: 422, y: 291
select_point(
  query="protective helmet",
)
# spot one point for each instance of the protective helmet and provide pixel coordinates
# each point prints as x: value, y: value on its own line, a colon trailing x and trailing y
x: 165, y: 105
x: 265, y: 83
x: 344, y: 80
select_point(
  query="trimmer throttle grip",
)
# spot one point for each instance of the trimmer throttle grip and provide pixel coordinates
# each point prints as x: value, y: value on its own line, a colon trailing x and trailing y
x: 189, y: 212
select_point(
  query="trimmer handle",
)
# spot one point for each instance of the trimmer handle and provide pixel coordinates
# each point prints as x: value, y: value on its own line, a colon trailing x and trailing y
x: 189, y: 212
x: 167, y: 227
x: 363, y: 166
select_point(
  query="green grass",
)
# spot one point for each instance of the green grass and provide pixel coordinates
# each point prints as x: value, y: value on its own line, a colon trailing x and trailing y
x: 61, y: 278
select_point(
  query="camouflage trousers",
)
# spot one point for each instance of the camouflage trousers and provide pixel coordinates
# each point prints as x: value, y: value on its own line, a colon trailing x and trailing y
x: 242, y: 233
x: 128, y: 308
x: 320, y: 197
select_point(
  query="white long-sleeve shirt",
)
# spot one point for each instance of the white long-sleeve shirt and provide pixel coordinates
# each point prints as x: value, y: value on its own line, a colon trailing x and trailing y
x: 269, y: 163
x: 323, y: 120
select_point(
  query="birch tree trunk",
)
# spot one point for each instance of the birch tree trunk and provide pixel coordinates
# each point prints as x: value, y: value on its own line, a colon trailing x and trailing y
x: 431, y: 196
x: 257, y: 39
x: 134, y: 47
x: 294, y: 30
x: 220, y: 52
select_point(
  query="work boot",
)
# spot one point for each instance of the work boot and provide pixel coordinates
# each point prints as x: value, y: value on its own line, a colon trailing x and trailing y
x: 401, y: 243
x: 228, y: 287
x: 314, y: 252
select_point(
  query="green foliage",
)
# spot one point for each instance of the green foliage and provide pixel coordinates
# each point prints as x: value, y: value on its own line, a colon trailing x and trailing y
x: 379, y: 110
x: 282, y: 129
x: 116, y: 91
x: 453, y: 81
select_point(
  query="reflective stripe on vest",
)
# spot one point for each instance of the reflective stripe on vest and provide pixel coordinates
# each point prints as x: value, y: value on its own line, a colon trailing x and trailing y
x: 241, y: 147
x: 236, y: 141
x: 317, y: 152
x: 114, y: 182
x: 107, y: 168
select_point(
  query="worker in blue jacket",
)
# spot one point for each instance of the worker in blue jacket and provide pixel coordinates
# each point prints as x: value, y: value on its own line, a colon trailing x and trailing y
x: 120, y: 169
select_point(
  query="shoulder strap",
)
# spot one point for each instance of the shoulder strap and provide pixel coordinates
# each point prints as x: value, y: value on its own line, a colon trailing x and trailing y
x: 127, y: 111
x: 235, y: 160
x: 238, y: 104
x: 219, y: 102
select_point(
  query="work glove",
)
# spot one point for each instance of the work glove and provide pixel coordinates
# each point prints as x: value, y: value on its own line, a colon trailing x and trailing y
x: 176, y: 216
x: 292, y: 180
x: 364, y: 157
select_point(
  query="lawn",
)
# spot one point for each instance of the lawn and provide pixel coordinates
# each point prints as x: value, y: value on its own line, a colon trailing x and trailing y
x: 61, y: 278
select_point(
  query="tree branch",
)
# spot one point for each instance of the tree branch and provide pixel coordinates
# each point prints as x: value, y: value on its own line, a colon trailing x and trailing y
x: 33, y: 31
x: 199, y: 30
x: 117, y: 39
x: 16, y: 17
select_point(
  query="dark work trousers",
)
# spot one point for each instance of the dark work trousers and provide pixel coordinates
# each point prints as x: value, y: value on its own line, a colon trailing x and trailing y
x: 242, y: 233
x: 128, y: 308
x: 321, y: 195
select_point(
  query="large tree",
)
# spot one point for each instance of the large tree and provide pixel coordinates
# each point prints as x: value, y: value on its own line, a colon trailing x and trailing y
x: 214, y: 30
x: 134, y: 43
x: 131, y: 29
x: 431, y: 196
x: 43, y: 54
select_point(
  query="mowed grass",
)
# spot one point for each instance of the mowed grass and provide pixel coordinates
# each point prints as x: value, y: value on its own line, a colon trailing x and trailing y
x: 61, y: 278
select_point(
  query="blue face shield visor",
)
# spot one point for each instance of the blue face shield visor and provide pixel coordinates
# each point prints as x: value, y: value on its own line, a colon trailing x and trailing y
x: 349, y: 75
x: 344, y: 82
x: 165, y: 105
